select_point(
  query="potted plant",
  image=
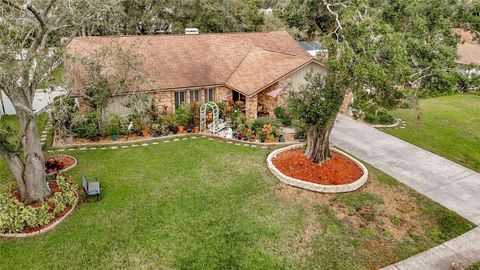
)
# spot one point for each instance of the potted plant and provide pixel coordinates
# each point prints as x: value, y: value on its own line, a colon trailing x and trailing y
x: 69, y: 139
x: 182, y: 116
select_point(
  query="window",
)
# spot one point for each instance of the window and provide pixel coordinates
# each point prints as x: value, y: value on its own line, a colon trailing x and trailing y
x: 194, y: 95
x: 179, y: 98
x: 209, y: 95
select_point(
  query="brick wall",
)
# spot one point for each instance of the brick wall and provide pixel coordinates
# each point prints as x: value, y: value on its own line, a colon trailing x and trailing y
x: 165, y: 98
x: 251, y: 107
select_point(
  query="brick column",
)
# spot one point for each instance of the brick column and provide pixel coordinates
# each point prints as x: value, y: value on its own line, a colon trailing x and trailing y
x: 251, y: 107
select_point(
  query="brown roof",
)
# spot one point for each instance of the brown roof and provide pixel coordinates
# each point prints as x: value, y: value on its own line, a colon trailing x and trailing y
x: 244, y: 61
x: 468, y: 50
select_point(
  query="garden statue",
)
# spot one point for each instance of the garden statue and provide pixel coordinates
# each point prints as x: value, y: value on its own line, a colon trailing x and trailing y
x: 229, y: 134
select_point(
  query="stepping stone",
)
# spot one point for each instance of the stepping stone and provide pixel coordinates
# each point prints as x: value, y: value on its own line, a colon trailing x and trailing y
x: 144, y: 144
x: 83, y: 148
x: 229, y: 142
x: 103, y: 148
x: 184, y: 139
x: 210, y: 139
x: 125, y: 146
x: 254, y: 146
x: 93, y: 148
x: 134, y: 145
x: 264, y: 147
x: 61, y: 150
x: 50, y: 151
x: 193, y: 137
x: 155, y: 143
x: 166, y: 141
x: 247, y: 145
x: 237, y: 144
x: 204, y: 136
x: 176, y: 140
x: 71, y: 149
x: 114, y: 147
x: 402, y: 127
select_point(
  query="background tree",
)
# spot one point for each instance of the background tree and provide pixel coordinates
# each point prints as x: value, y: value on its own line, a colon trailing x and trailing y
x: 30, y: 29
x: 314, y: 109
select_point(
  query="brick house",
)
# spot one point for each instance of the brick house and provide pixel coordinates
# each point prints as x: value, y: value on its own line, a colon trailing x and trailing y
x: 257, y: 68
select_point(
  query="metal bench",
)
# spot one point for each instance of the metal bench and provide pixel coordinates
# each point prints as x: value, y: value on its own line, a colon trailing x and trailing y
x: 91, y: 188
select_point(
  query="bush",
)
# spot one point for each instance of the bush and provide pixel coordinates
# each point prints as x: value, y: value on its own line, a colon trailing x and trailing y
x: 15, y: 216
x: 86, y: 126
x: 379, y: 119
x: 182, y: 114
x: 282, y: 114
x: 262, y: 121
x: 63, y: 112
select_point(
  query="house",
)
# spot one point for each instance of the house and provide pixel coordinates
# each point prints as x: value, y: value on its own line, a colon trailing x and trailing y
x: 468, y: 53
x: 257, y: 68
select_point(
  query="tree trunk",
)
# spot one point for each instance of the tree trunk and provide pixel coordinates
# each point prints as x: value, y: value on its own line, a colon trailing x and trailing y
x: 33, y: 176
x: 318, y: 142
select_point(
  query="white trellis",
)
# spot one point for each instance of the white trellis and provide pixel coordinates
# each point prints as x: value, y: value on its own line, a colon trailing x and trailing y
x: 203, y: 117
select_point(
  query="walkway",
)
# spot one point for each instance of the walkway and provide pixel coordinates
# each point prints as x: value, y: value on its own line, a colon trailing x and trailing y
x: 451, y: 185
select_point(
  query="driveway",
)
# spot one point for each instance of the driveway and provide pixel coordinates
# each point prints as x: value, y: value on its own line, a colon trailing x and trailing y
x: 451, y: 185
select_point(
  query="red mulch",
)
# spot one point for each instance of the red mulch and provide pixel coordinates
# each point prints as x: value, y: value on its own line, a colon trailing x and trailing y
x: 338, y: 170
x: 54, y: 188
x: 64, y: 162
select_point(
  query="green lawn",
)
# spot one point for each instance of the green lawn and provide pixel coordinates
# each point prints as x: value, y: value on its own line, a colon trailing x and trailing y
x: 449, y: 127
x: 201, y: 204
x: 56, y: 79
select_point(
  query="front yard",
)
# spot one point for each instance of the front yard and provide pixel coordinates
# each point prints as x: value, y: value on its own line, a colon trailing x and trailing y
x: 449, y: 127
x: 200, y: 204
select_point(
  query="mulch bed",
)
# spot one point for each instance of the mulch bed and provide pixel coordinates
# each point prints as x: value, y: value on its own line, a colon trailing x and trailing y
x: 338, y: 170
x: 58, y: 163
x: 54, y: 188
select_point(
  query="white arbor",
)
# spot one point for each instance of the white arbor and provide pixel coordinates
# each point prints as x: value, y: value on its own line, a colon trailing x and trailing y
x: 203, y: 117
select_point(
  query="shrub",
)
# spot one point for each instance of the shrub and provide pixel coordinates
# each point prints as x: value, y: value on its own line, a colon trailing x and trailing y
x: 63, y: 111
x: 182, y: 115
x: 86, y: 126
x: 282, y: 114
x: 260, y: 122
x: 158, y: 130
x: 381, y: 118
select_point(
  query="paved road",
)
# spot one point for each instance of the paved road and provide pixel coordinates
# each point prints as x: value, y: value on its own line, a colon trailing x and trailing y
x: 452, y: 185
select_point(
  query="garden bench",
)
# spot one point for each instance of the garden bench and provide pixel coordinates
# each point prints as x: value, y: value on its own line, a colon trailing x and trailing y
x: 91, y: 188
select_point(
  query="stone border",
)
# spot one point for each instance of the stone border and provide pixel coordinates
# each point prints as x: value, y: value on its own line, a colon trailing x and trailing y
x: 64, y: 170
x: 397, y: 123
x: 44, y: 230
x: 313, y: 186
x: 57, y: 146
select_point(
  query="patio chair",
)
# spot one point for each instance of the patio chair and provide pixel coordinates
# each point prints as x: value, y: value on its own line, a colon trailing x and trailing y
x: 91, y: 188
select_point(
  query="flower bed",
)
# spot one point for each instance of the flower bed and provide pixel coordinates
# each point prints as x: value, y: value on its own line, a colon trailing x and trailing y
x: 342, y: 173
x: 20, y: 220
x: 59, y: 163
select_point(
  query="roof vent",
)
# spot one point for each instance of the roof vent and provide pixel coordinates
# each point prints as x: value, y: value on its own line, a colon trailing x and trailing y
x: 192, y: 31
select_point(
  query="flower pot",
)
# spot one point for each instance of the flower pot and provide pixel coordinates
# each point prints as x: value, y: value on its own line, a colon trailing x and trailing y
x: 209, y: 116
x: 189, y: 130
x: 69, y: 139
x: 145, y: 133
x: 181, y: 129
x: 138, y: 132
x: 196, y: 129
x: 114, y: 137
x: 282, y: 140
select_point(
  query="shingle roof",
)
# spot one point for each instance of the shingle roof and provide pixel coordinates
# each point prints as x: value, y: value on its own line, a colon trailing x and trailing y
x: 244, y: 61
x: 468, y: 50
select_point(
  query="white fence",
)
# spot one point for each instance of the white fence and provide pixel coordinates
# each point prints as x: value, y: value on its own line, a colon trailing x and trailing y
x: 43, y: 98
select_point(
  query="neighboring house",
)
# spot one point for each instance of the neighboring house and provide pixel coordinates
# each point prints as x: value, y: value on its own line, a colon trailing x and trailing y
x: 313, y: 47
x: 42, y: 98
x: 257, y: 68
x: 468, y: 52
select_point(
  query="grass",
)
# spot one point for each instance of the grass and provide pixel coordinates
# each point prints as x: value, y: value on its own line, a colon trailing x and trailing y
x: 200, y: 204
x: 56, y: 79
x: 475, y: 266
x: 449, y: 127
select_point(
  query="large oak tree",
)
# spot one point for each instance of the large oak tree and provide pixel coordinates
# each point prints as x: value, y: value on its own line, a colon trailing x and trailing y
x: 30, y: 49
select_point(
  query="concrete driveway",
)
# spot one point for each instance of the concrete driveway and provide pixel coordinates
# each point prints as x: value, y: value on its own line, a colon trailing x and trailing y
x: 451, y: 185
